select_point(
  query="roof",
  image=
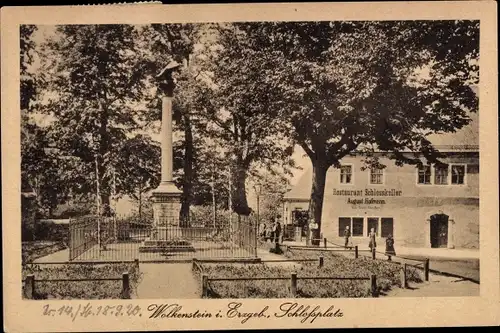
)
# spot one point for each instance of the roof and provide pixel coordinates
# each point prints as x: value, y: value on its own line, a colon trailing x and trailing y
x: 301, y: 190
x: 466, y: 138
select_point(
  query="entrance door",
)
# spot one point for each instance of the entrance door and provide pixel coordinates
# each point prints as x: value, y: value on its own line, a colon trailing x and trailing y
x: 439, y: 230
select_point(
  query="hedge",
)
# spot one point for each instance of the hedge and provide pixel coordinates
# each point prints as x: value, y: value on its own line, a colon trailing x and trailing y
x: 81, y: 289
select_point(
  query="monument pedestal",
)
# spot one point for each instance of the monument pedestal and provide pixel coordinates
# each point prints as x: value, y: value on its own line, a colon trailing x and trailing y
x: 165, y: 235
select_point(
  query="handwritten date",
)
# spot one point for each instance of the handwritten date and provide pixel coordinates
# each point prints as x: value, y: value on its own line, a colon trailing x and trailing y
x: 84, y: 311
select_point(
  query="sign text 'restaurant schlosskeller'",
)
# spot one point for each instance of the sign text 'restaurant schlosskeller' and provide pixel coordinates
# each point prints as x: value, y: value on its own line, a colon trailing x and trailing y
x: 369, y: 192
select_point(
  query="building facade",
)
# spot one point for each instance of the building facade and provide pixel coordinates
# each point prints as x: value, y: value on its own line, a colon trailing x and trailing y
x: 431, y: 206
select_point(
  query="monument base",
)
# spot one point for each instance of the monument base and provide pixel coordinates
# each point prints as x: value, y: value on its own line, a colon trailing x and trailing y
x: 165, y: 233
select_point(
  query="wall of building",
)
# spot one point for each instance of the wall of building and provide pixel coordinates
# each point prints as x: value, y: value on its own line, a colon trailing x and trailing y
x: 409, y: 204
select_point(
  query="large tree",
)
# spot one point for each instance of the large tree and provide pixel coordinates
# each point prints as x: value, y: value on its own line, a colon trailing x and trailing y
x: 237, y: 110
x: 94, y: 90
x: 365, y: 86
x: 27, y: 54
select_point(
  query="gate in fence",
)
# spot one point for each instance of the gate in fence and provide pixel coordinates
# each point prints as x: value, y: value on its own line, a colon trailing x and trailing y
x: 115, y: 239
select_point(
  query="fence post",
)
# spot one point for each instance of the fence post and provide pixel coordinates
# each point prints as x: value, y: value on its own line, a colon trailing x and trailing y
x: 126, y: 285
x: 324, y: 241
x: 29, y: 287
x: 373, y: 253
x: 356, y: 254
x: 204, y: 285
x: 426, y: 269
x: 293, y: 284
x: 321, y: 261
x: 403, y: 276
x: 373, y: 285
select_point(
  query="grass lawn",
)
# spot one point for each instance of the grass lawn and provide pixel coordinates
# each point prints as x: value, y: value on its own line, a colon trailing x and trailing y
x: 335, y: 265
x: 80, y: 289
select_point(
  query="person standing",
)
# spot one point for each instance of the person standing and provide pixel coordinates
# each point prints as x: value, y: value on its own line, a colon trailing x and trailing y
x: 273, y: 230
x: 277, y: 231
x: 313, y: 227
x: 372, y: 235
x: 347, y: 235
x: 262, y: 230
x: 389, y: 247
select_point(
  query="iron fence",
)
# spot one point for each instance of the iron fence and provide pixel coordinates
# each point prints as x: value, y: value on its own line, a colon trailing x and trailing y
x: 115, y: 239
x: 82, y: 235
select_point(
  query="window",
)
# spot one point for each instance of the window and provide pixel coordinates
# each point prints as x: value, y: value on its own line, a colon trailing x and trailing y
x: 387, y: 226
x: 373, y: 223
x: 457, y: 174
x: 346, y: 174
x: 440, y: 175
x: 376, y: 176
x: 344, y: 222
x: 357, y: 226
x: 424, y: 174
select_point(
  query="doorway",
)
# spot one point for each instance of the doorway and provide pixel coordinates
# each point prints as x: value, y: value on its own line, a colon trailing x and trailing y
x: 439, y: 230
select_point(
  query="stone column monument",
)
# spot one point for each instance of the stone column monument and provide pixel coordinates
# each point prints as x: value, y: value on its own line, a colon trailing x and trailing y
x: 166, y: 198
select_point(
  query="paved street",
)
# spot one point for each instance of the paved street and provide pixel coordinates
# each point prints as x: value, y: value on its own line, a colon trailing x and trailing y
x: 467, y: 268
x: 438, y: 286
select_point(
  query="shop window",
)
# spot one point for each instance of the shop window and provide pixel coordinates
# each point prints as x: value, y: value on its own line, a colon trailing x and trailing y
x: 424, y: 174
x: 387, y: 226
x: 376, y: 176
x: 440, y: 175
x: 458, y: 174
x: 373, y: 223
x: 344, y: 222
x: 357, y: 226
x: 346, y: 174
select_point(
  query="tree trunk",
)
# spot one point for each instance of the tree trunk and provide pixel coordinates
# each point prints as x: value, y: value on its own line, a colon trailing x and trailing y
x: 317, y: 195
x: 187, y: 188
x: 239, y: 195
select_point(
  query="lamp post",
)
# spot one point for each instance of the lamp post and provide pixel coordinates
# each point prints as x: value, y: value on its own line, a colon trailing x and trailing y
x: 258, y: 190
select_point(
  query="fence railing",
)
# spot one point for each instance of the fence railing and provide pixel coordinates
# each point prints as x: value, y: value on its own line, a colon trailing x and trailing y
x: 245, y: 234
x: 30, y: 284
x: 205, y: 280
x: 424, y: 264
x: 115, y: 239
x: 83, y: 235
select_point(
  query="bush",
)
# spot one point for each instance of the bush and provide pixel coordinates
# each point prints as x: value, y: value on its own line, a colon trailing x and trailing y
x: 334, y: 266
x: 81, y: 289
x: 280, y: 288
x: 388, y: 273
x: 50, y: 231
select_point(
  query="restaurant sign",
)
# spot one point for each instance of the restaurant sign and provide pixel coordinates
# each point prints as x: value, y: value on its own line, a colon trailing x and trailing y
x: 366, y: 196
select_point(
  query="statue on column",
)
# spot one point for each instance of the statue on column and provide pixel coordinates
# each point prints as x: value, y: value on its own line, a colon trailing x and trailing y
x: 166, y: 82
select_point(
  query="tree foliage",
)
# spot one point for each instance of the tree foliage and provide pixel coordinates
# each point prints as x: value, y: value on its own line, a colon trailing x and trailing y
x: 346, y: 86
x: 238, y: 110
x: 95, y: 89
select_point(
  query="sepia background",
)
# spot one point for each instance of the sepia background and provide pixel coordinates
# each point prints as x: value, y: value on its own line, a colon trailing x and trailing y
x: 487, y: 134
